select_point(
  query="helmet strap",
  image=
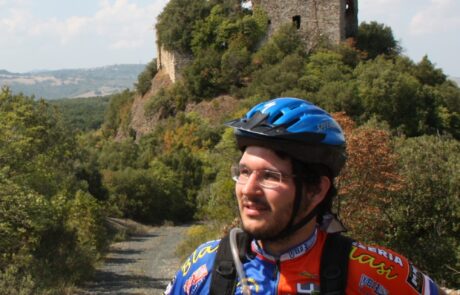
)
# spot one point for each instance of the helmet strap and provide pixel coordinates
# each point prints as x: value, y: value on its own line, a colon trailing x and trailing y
x: 291, y: 227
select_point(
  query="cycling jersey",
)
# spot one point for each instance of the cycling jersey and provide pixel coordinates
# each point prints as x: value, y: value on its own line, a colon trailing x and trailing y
x: 371, y: 270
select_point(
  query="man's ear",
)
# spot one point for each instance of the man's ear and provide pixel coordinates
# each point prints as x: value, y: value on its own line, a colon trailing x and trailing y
x: 320, y: 192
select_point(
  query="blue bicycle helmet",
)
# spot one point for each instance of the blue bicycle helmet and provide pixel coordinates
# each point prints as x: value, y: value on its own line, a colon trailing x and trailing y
x: 296, y: 127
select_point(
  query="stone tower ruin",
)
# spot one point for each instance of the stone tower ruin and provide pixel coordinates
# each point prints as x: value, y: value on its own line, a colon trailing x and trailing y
x: 335, y: 20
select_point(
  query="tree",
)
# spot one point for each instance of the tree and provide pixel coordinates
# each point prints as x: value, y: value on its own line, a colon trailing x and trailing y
x: 40, y: 246
x: 376, y: 39
x: 175, y: 24
x: 426, y: 214
x: 118, y: 113
x: 144, y: 80
x: 368, y: 180
x: 391, y: 95
x: 427, y: 73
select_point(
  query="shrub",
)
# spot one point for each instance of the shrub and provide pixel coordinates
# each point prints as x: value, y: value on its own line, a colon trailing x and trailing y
x: 144, y: 80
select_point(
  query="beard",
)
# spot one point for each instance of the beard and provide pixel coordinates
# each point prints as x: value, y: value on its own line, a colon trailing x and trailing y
x: 270, y: 226
x: 276, y: 223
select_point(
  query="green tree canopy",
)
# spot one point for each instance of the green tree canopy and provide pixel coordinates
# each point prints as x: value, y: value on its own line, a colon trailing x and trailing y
x: 375, y: 39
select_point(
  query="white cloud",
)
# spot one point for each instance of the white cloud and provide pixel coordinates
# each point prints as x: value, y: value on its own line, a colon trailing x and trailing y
x: 15, y: 21
x: 100, y: 33
x: 123, y: 23
x: 438, y: 17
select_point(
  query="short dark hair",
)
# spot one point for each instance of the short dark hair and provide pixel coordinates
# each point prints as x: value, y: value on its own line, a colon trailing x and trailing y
x: 311, y: 174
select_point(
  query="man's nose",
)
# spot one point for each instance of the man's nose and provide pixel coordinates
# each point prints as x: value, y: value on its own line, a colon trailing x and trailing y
x: 252, y: 185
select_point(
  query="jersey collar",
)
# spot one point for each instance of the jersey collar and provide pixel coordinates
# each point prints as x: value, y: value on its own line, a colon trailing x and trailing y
x: 292, y: 253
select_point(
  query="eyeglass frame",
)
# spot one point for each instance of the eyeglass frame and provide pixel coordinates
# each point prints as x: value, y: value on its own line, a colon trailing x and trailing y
x: 236, y: 172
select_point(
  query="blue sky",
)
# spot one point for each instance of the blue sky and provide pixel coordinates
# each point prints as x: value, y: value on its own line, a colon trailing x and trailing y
x: 57, y: 34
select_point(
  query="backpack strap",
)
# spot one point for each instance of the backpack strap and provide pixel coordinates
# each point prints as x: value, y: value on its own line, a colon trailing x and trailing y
x: 223, y: 278
x: 334, y: 264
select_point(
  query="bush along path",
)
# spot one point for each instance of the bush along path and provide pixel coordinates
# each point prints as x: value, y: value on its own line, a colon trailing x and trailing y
x: 142, y: 264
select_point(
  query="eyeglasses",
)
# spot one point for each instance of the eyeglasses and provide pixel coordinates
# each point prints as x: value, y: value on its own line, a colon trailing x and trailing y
x: 265, y: 178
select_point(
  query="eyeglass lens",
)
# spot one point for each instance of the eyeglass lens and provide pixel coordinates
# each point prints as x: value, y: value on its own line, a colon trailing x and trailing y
x: 266, y: 178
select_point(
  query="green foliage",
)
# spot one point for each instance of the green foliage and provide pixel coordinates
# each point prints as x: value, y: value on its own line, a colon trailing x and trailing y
x: 118, y: 113
x: 216, y: 199
x: 388, y: 89
x: 144, y: 80
x: 375, y: 39
x: 427, y: 74
x: 222, y: 44
x: 391, y: 95
x: 176, y: 22
x: 149, y: 195
x: 278, y: 79
x: 82, y: 114
x: 203, y: 75
x: 426, y: 215
x: 167, y: 102
x: 85, y: 216
x: 118, y: 155
x: 50, y: 229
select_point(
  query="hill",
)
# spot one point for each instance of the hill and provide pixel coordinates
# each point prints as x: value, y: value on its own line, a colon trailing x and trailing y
x: 73, y: 83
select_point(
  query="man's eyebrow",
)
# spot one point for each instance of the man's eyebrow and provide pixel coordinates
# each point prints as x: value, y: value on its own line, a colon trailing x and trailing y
x: 271, y: 168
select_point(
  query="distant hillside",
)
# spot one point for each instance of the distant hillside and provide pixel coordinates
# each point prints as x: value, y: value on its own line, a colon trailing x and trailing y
x: 73, y: 83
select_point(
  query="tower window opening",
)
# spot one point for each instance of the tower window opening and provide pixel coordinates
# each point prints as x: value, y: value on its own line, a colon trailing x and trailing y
x: 296, y: 21
x: 349, y: 7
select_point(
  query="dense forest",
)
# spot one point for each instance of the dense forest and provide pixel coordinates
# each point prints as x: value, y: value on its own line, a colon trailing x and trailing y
x: 61, y: 179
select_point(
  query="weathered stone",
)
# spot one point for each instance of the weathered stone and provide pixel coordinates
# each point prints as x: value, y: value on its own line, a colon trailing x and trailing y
x: 172, y: 62
x: 335, y: 20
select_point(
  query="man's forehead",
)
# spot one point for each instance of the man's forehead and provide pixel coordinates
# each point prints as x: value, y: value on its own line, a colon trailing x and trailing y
x: 254, y: 153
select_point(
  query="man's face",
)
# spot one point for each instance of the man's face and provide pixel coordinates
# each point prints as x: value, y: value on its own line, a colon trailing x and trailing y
x: 265, y: 212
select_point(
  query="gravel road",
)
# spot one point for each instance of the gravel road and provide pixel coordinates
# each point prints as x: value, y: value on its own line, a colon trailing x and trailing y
x: 143, y: 264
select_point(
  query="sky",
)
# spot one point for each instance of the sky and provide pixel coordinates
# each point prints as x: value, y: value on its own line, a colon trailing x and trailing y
x: 62, y: 34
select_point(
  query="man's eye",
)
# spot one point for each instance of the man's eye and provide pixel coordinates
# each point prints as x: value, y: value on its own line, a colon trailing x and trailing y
x: 245, y: 172
x: 271, y: 175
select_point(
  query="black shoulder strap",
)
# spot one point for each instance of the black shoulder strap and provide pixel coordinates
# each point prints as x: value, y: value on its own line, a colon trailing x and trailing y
x: 334, y: 264
x: 223, y: 276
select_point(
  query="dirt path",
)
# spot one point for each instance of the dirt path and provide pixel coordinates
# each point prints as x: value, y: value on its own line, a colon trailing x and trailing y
x: 143, y: 264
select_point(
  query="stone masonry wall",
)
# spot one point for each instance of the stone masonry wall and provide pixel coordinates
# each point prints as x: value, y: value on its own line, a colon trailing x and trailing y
x: 172, y: 63
x: 314, y: 18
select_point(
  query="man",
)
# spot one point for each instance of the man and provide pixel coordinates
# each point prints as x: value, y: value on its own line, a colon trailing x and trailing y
x: 292, y: 151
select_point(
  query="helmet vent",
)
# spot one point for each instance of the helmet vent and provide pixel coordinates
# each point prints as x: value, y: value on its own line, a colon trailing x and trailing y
x: 293, y: 122
x: 276, y: 117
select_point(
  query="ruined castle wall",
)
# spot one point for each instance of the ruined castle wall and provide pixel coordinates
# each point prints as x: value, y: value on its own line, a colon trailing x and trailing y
x: 172, y: 63
x: 314, y: 18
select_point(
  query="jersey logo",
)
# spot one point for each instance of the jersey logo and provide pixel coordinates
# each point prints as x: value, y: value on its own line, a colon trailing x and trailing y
x: 415, y: 278
x: 367, y: 282
x: 195, y: 278
x: 197, y: 255
x: 381, y: 268
x: 307, y: 288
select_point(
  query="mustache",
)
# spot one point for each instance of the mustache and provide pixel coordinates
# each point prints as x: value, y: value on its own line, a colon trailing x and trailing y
x: 255, y: 201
